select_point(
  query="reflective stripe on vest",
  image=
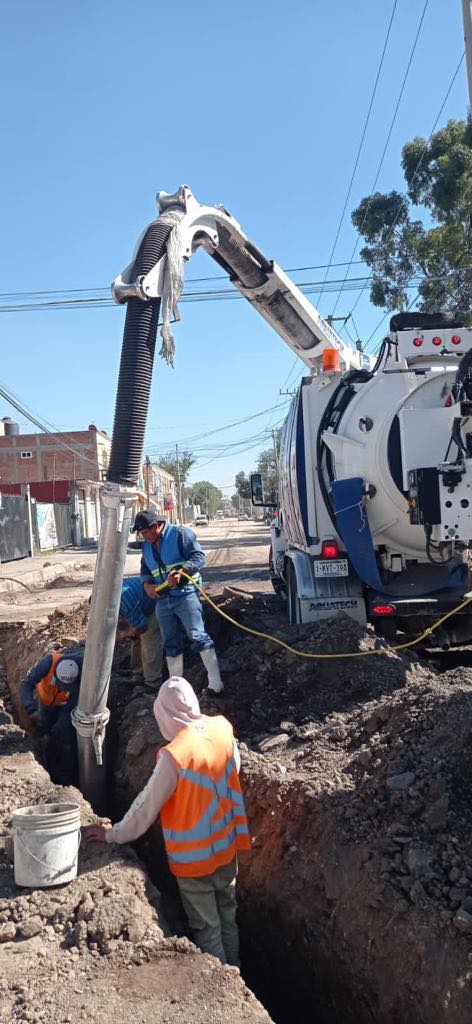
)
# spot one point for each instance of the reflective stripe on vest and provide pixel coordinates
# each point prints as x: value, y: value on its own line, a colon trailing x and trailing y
x: 220, y: 830
x: 160, y: 573
x: 47, y: 691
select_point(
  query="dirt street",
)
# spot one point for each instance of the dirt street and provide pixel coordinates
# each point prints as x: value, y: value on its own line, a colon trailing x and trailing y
x: 237, y: 554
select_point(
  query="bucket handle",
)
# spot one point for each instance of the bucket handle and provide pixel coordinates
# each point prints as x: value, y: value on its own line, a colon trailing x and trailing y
x: 30, y: 853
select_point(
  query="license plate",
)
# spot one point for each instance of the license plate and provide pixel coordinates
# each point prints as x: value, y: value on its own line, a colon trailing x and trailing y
x: 335, y: 567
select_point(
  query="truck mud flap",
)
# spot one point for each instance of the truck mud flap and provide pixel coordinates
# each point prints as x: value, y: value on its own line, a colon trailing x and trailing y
x: 321, y: 598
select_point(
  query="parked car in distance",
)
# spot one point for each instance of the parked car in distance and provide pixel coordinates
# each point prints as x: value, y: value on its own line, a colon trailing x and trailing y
x: 201, y: 520
x: 242, y: 515
x: 219, y: 514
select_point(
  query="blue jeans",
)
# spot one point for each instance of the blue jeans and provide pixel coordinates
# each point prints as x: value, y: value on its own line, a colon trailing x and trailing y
x: 185, y: 610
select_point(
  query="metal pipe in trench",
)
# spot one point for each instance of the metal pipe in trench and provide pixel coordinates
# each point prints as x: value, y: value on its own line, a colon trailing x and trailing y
x: 117, y: 497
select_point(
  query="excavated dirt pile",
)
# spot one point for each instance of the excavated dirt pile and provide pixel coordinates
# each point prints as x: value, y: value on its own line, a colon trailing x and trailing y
x: 356, y: 900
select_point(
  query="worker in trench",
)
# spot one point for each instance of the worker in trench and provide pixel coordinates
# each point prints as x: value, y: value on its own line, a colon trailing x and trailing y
x: 195, y: 788
x: 168, y: 551
x: 48, y: 693
x: 137, y: 622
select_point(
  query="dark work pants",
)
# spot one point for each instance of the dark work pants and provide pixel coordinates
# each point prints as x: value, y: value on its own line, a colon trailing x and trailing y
x: 61, y: 744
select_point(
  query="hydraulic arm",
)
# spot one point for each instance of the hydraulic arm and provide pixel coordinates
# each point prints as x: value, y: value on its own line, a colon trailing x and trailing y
x: 261, y: 281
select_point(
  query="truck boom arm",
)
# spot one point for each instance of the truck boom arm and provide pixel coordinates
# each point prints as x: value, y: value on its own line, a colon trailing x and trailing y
x: 264, y: 284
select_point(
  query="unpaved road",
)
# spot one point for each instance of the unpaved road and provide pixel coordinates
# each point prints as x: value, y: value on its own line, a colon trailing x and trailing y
x: 237, y: 554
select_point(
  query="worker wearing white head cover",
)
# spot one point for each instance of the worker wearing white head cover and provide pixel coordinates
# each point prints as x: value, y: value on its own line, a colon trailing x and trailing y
x: 210, y: 899
x: 49, y: 692
x: 67, y: 672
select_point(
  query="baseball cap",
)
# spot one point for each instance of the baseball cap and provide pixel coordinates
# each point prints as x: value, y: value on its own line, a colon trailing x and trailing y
x: 68, y: 671
x: 146, y: 519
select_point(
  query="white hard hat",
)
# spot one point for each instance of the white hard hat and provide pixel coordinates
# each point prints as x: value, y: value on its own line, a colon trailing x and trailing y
x: 67, y: 671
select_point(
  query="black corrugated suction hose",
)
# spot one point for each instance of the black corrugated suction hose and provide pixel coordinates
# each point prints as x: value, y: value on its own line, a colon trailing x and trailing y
x: 137, y: 358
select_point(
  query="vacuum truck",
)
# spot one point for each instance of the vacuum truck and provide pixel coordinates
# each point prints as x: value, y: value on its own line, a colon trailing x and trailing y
x: 374, y: 514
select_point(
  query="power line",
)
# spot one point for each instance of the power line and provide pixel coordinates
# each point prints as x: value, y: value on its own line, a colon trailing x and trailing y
x: 191, y: 280
x: 41, y: 425
x: 360, y: 146
x: 226, y: 426
x: 417, y: 168
x: 389, y: 134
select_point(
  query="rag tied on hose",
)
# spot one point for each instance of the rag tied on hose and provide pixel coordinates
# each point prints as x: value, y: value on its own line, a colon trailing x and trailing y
x: 173, y: 282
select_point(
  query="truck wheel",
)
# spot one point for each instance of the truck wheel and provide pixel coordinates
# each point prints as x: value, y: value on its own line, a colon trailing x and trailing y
x: 294, y: 611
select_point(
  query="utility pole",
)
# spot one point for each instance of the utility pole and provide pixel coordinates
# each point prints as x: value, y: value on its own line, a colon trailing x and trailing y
x: 467, y: 19
x: 148, y: 481
x: 276, y: 456
x: 179, y: 487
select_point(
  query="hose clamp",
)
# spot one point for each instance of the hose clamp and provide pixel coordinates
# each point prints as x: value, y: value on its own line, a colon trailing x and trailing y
x: 92, y: 727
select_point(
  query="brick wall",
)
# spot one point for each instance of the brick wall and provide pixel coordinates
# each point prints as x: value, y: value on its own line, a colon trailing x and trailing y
x: 46, y: 459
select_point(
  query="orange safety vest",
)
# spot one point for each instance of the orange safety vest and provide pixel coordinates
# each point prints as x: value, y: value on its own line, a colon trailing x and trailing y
x: 204, y: 821
x: 47, y: 691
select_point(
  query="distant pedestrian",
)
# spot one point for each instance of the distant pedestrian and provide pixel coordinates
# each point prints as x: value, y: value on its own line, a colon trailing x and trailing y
x: 137, y: 622
x: 167, y: 551
x: 195, y: 787
x: 48, y: 693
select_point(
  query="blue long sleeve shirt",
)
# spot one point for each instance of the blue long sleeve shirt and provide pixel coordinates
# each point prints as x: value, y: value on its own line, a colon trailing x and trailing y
x: 192, y: 555
x: 135, y: 605
x: 30, y: 682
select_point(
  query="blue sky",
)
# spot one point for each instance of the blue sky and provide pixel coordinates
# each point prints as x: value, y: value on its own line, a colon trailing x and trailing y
x: 258, y: 106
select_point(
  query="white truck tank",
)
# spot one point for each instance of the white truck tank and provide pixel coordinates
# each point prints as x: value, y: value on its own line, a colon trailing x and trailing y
x: 397, y: 444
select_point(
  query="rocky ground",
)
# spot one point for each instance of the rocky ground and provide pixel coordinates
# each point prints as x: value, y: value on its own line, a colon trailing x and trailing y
x: 356, y: 900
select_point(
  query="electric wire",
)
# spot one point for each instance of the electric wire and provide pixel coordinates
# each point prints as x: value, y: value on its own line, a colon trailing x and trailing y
x: 389, y: 135
x: 359, y: 148
x: 42, y: 426
x: 417, y: 168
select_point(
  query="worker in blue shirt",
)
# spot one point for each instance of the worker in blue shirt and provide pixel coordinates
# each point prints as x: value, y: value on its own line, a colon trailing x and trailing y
x: 137, y: 622
x: 167, y: 550
x: 48, y: 693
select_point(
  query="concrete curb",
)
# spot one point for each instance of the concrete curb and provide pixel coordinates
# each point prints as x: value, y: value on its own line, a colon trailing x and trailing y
x: 33, y: 578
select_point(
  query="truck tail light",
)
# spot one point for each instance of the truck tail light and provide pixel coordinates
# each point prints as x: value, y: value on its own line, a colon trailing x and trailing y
x: 437, y: 341
x: 417, y: 342
x: 330, y: 548
x: 456, y: 339
x: 383, y: 609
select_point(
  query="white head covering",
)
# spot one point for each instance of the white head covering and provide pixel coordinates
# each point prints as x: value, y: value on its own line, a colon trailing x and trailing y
x: 67, y: 671
x: 176, y: 705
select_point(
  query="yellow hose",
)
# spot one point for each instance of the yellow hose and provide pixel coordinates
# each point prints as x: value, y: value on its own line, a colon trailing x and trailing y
x: 308, y: 654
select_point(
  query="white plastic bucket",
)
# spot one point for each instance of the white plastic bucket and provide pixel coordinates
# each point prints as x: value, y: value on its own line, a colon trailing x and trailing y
x: 46, y: 841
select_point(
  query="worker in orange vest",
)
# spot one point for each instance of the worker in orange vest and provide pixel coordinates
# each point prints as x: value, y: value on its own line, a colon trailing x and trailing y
x: 48, y: 693
x: 195, y: 788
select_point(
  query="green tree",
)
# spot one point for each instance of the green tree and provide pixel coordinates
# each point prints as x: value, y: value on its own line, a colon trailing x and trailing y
x: 242, y: 484
x: 206, y: 495
x: 169, y: 463
x: 235, y: 500
x: 267, y: 467
x: 436, y: 248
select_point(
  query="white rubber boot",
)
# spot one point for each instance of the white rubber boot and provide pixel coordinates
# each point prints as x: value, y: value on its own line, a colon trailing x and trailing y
x: 210, y: 662
x: 175, y: 665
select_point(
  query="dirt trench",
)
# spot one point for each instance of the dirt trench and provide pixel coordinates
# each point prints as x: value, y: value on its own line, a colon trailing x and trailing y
x: 356, y: 899
x: 100, y: 948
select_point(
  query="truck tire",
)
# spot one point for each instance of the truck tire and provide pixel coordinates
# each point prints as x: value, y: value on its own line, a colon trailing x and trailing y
x: 293, y: 600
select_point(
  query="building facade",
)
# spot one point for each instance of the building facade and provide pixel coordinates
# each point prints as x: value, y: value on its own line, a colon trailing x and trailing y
x: 62, y: 473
